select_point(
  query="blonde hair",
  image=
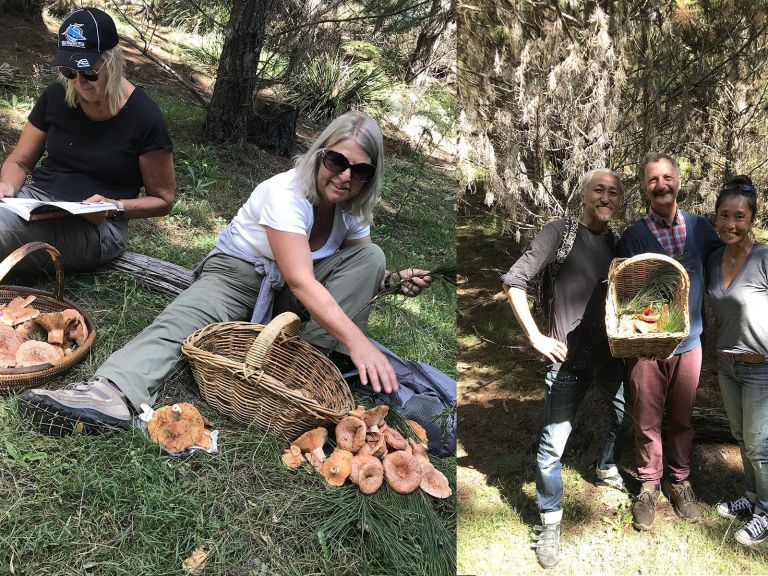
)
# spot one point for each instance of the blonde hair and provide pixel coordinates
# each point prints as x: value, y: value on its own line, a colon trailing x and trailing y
x: 113, y: 67
x: 365, y: 131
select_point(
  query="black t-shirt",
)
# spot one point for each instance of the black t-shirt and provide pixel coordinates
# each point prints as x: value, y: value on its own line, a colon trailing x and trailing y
x: 86, y: 157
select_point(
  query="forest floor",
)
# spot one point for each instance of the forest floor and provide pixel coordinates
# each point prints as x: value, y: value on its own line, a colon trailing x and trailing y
x: 501, y: 404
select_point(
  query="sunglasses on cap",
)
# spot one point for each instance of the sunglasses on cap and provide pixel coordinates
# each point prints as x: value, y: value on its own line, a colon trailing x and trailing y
x: 337, y: 163
x: 739, y: 187
x: 71, y: 73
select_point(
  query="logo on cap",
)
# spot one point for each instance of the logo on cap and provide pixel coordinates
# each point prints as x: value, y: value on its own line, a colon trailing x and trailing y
x: 74, y: 36
x: 82, y: 63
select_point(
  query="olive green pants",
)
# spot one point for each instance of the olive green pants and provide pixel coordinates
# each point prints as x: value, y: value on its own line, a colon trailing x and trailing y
x: 226, y: 291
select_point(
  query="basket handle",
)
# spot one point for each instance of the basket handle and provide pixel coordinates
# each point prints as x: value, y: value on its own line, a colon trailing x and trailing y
x: 285, y: 325
x: 20, y: 253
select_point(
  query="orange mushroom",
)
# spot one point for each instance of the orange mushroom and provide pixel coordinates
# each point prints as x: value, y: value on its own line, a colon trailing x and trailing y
x: 370, y: 478
x: 33, y: 353
x: 394, y: 439
x: 419, y: 430
x: 57, y: 323
x: 311, y: 444
x: 337, y: 467
x: 292, y: 457
x: 179, y: 427
x: 402, y: 472
x: 358, y: 462
x: 350, y: 433
x: 434, y: 482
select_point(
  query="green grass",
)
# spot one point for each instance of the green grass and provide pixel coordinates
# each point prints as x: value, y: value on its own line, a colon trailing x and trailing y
x: 110, y: 505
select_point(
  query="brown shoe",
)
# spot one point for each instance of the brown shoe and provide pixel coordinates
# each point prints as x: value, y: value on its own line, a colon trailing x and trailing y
x: 644, y: 508
x: 682, y: 498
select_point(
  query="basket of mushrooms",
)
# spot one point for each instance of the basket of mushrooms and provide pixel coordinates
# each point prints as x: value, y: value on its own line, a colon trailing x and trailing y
x: 368, y: 453
x: 42, y: 335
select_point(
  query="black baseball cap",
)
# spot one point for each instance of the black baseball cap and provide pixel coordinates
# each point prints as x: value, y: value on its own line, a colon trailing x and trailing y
x: 83, y: 36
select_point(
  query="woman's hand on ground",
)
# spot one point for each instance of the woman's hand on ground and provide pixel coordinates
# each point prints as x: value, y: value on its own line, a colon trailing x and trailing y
x: 413, y: 281
x: 375, y: 370
x: 97, y: 218
x: 553, y: 349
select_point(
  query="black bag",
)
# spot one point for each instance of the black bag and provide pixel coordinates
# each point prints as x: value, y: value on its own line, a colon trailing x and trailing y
x: 426, y: 395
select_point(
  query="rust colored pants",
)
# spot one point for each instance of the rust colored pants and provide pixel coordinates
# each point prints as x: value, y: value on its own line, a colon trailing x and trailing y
x: 659, y: 385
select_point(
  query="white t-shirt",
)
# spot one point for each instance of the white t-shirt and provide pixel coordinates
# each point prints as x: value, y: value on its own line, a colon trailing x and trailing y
x: 279, y: 204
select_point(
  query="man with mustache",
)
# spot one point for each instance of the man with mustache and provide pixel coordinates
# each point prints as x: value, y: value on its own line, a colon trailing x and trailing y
x: 574, y: 342
x: 669, y: 384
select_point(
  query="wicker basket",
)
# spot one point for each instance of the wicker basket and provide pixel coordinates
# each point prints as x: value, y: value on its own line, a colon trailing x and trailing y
x: 18, y: 379
x: 267, y: 376
x: 625, y: 279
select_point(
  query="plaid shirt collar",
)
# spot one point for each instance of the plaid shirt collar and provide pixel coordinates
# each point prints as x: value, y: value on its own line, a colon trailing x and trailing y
x: 671, y: 237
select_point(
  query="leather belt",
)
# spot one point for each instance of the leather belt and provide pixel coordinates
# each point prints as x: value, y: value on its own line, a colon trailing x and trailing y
x: 748, y: 358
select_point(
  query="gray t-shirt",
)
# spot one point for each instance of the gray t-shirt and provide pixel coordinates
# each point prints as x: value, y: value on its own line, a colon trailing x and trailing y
x: 577, y: 315
x: 740, y: 310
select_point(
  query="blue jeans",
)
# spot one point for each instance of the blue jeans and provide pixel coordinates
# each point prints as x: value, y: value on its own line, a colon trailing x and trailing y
x: 563, y: 392
x: 745, y: 395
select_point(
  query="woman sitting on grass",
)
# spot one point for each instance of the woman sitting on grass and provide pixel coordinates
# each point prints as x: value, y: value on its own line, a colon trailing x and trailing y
x: 738, y: 295
x: 105, y: 139
x: 301, y: 242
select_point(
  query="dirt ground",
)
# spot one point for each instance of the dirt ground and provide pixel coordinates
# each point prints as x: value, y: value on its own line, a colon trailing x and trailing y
x: 501, y: 397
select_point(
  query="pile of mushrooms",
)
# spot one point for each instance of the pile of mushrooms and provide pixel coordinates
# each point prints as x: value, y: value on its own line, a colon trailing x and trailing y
x: 29, y: 337
x: 367, y: 452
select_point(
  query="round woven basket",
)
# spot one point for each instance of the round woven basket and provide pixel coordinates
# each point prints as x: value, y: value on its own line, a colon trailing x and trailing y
x: 625, y: 279
x: 18, y: 379
x: 266, y: 375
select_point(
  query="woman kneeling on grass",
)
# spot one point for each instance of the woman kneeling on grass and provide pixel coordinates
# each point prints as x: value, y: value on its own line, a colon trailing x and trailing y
x: 302, y: 243
x: 738, y: 294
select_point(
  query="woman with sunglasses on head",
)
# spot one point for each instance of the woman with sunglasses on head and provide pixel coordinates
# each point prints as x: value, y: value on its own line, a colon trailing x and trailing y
x: 105, y: 139
x: 738, y: 297
x: 301, y: 242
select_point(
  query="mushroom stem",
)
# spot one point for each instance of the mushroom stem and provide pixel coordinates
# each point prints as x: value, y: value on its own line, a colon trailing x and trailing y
x: 176, y: 412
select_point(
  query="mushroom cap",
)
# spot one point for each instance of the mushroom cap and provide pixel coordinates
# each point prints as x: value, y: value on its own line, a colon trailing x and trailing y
x: 10, y: 340
x: 337, y: 467
x: 358, y: 462
x: 178, y: 427
x: 292, y: 457
x: 419, y: 452
x: 370, y: 478
x: 402, y: 472
x: 31, y: 330
x: 57, y: 323
x: 375, y: 416
x: 32, y: 353
x: 10, y: 316
x: 358, y: 412
x: 434, y: 482
x: 378, y: 447
x: 394, y: 439
x: 419, y: 430
x: 312, y: 439
x: 350, y: 433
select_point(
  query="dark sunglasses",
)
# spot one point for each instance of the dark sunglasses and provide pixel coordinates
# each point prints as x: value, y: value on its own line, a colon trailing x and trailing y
x: 337, y: 163
x: 71, y: 73
x: 737, y: 187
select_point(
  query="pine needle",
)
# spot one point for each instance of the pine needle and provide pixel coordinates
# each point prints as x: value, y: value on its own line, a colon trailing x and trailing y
x: 659, y: 288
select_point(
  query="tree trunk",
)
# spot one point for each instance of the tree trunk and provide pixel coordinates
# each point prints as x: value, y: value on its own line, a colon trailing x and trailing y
x: 32, y: 9
x: 428, y: 41
x: 232, y: 102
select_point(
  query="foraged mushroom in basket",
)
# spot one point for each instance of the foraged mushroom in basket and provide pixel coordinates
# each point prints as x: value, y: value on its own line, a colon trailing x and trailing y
x: 58, y: 323
x: 33, y: 353
x: 9, y: 343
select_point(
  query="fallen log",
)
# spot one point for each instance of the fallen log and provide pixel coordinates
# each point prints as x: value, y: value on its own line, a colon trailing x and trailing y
x: 153, y: 273
x: 712, y: 425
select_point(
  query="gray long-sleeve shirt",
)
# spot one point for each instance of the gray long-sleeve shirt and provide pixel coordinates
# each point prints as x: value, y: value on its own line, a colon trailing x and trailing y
x: 740, y: 310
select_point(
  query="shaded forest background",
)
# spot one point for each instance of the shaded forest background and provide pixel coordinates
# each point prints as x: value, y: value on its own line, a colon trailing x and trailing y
x: 550, y: 90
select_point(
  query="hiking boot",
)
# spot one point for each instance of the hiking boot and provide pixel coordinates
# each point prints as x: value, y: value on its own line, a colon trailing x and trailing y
x: 546, y: 541
x: 610, y: 479
x: 682, y: 498
x: 644, y: 508
x: 90, y: 406
x: 753, y: 532
x: 736, y: 508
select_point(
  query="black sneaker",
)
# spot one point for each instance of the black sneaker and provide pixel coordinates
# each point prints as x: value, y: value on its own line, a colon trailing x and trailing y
x: 644, y: 508
x: 682, y: 498
x: 546, y: 541
x: 91, y: 406
x: 753, y: 532
x: 741, y: 508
